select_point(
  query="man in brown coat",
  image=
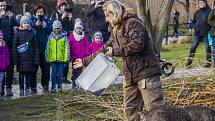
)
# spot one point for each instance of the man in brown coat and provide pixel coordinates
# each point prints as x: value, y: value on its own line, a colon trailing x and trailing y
x: 130, y: 40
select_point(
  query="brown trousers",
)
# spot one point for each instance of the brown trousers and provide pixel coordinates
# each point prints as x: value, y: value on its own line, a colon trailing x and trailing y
x: 146, y: 92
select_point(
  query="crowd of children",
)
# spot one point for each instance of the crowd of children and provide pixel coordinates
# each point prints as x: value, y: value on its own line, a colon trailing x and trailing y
x: 35, y: 41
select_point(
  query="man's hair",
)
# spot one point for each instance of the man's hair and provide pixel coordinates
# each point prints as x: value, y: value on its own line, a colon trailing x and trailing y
x: 2, y: 1
x: 39, y: 6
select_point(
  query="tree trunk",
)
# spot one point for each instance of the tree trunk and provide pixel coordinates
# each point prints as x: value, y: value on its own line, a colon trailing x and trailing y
x: 157, y: 32
x: 186, y: 4
x: 188, y: 14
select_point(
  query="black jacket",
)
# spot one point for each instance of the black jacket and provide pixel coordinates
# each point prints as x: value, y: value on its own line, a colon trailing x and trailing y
x: 200, y: 21
x: 98, y: 22
x: 25, y: 61
x: 175, y: 22
x: 6, y: 25
x: 67, y: 24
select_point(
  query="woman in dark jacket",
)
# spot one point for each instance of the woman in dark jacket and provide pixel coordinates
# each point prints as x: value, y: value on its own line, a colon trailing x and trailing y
x: 64, y: 15
x: 43, y: 26
x: 25, y: 54
x: 97, y: 19
x: 130, y: 41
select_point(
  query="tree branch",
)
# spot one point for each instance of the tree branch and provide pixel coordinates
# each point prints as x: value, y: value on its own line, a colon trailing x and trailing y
x: 184, y: 4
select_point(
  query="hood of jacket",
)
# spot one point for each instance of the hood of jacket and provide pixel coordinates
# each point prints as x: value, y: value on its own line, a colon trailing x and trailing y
x: 61, y: 35
x: 128, y: 13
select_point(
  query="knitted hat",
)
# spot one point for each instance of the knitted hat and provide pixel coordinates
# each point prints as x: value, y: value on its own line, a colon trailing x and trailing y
x: 1, y: 34
x: 98, y: 33
x: 57, y: 24
x: 24, y: 19
x: 61, y: 2
x: 78, y: 24
x: 78, y: 19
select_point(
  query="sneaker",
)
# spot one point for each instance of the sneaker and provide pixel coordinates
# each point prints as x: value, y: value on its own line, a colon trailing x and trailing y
x: 9, y: 92
x: 33, y: 91
x: 59, y: 86
x: 188, y: 64
x: 67, y: 81
x: 2, y: 98
x: 53, y: 90
x: 27, y: 92
x: 207, y: 65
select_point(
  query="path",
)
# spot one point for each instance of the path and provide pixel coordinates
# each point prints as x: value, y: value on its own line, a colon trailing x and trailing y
x: 170, y: 39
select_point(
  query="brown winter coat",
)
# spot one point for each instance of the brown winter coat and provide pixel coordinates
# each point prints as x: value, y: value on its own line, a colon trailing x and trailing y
x: 130, y: 40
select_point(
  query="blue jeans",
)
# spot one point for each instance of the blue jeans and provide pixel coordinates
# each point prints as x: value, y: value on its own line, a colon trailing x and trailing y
x: 25, y: 80
x: 195, y: 44
x: 1, y: 80
x: 213, y: 51
x: 57, y: 73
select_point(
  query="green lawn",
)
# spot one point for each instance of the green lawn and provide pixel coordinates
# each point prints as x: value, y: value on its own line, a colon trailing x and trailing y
x: 178, y: 53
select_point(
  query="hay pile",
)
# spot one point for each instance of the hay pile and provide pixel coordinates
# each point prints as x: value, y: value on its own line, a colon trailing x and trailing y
x: 183, y: 95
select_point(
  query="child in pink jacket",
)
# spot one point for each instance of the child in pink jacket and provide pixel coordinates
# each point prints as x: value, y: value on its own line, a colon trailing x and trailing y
x: 97, y: 43
x: 79, y: 46
x: 5, y: 61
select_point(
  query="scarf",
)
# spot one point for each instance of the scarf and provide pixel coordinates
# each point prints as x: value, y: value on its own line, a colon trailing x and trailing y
x: 78, y: 37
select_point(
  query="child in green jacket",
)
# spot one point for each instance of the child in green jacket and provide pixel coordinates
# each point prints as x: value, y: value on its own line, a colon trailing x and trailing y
x: 57, y: 53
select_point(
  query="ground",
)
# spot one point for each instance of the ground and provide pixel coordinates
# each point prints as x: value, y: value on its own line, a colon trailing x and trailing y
x: 76, y: 105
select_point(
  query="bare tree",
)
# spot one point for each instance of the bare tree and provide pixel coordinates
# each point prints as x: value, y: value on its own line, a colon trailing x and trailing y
x: 157, y: 31
x: 186, y: 4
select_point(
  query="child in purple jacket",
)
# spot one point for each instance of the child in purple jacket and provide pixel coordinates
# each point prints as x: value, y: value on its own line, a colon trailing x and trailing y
x: 97, y: 43
x: 79, y: 46
x: 5, y: 61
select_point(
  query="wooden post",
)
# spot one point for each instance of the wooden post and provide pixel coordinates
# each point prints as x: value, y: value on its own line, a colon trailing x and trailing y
x: 167, y: 32
x: 24, y: 7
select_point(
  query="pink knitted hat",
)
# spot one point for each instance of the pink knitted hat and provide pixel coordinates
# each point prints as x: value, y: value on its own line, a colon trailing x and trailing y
x: 61, y: 2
